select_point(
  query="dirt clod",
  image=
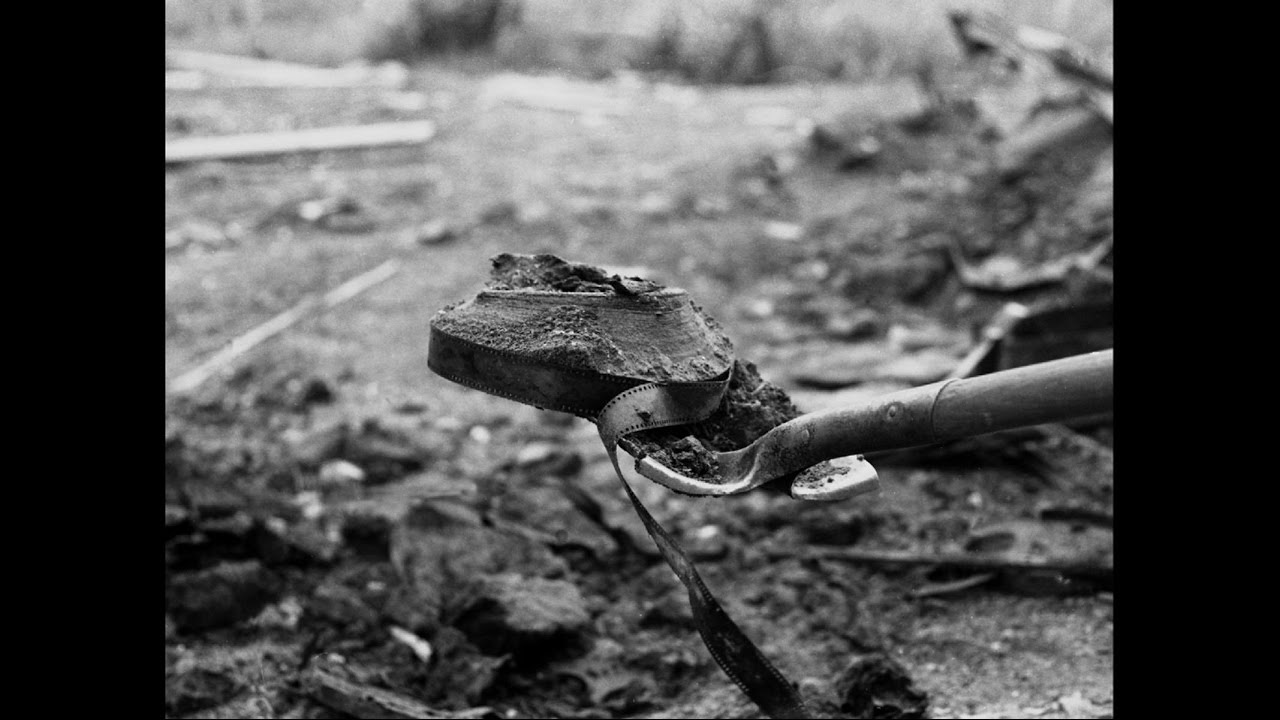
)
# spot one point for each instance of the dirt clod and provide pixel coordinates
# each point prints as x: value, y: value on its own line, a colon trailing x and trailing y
x: 876, y: 686
x: 524, y: 616
x: 222, y: 595
x: 196, y: 690
x: 442, y: 556
x: 546, y: 273
x: 751, y: 407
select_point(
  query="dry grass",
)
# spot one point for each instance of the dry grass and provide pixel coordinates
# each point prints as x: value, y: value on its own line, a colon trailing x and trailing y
x: 706, y: 40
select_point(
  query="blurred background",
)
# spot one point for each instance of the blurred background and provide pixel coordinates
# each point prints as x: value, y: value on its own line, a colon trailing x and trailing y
x: 868, y: 195
x: 802, y: 40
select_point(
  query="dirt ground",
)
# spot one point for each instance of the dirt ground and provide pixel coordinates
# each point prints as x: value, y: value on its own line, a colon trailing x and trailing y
x: 330, y: 498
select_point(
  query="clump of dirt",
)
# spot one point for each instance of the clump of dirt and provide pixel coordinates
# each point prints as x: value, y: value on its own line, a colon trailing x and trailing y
x: 550, y: 273
x: 585, y: 337
x: 623, y: 343
x: 689, y: 457
x: 877, y: 686
x: 752, y: 406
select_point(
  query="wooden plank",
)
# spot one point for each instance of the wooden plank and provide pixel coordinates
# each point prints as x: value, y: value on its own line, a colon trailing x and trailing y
x: 196, y: 376
x: 228, y: 147
x: 979, y: 563
x: 365, y: 701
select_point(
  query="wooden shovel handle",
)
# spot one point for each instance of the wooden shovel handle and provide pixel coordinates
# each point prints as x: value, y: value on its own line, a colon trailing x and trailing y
x: 952, y: 409
x: 1030, y: 395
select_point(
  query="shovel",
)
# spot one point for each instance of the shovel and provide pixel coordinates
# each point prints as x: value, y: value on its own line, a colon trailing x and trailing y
x: 1048, y: 392
x: 638, y: 356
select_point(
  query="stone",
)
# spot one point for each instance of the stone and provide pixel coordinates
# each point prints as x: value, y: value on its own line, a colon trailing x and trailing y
x: 221, y: 595
x: 524, y: 616
x: 876, y: 686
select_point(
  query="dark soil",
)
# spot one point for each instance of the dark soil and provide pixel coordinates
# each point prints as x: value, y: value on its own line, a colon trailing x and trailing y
x: 751, y: 407
x: 550, y: 273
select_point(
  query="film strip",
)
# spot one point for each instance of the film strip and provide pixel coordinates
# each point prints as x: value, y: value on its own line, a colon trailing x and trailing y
x: 620, y: 406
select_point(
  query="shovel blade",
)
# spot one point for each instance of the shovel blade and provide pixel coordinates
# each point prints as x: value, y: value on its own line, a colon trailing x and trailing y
x: 858, y: 478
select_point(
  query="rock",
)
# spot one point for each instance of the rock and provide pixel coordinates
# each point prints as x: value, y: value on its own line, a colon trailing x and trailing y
x: 379, y: 509
x: 435, y: 232
x: 783, y: 231
x: 339, y: 473
x: 386, y: 452
x: 706, y: 544
x: 524, y: 616
x: 548, y: 459
x: 222, y: 595
x: 671, y: 611
x: 209, y: 499
x: 535, y: 453
x: 405, y: 607
x: 625, y: 694
x: 421, y: 648
x: 562, y: 511
x: 759, y: 309
x: 341, y: 605
x: 460, y: 674
x: 844, y: 147
x: 283, y: 615
x: 337, y: 214
x: 176, y: 520
x: 198, y: 689
x: 442, y: 552
x: 309, y: 506
x: 876, y: 686
x: 310, y: 391
x: 310, y: 542
x: 910, y: 276
x: 317, y: 445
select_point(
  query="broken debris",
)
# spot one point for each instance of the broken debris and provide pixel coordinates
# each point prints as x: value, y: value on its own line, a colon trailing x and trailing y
x: 219, y: 596
x: 254, y: 145
x: 193, y: 378
x: 525, y: 616
x: 328, y: 685
x: 877, y: 686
